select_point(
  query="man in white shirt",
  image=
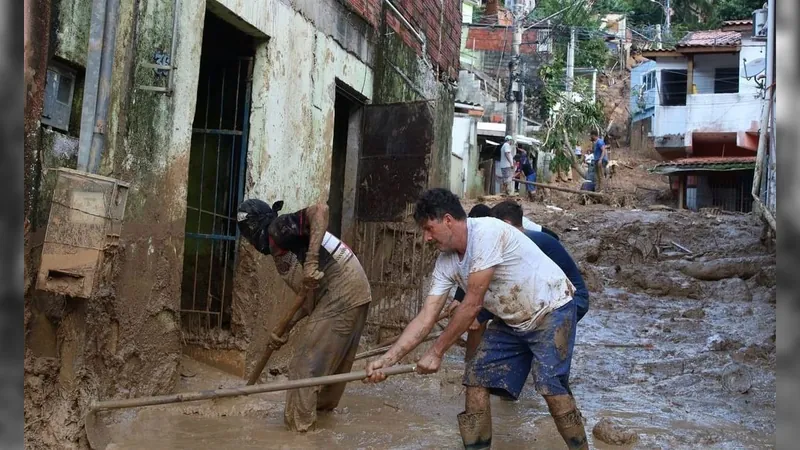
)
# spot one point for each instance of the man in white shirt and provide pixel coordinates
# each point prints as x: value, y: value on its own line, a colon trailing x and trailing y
x: 534, y: 327
x: 506, y: 164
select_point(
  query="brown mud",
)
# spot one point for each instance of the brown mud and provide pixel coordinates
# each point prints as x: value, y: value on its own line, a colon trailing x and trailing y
x: 667, y: 357
x: 662, y: 360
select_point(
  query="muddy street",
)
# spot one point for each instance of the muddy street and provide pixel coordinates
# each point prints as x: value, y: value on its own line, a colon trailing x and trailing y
x: 669, y: 360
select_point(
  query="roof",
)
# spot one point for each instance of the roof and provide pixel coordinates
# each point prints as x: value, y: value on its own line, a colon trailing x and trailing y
x: 729, y: 23
x: 709, y: 164
x: 711, y: 38
x: 499, y: 130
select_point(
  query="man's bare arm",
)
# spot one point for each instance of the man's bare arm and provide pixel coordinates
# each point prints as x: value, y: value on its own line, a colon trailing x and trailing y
x: 318, y: 223
x: 477, y: 284
x: 417, y: 330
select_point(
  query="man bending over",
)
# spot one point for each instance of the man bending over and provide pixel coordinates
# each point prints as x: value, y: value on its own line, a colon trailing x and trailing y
x: 505, y: 272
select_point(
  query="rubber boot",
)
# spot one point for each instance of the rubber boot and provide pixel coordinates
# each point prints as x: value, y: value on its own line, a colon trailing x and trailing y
x: 476, y: 430
x: 570, y: 427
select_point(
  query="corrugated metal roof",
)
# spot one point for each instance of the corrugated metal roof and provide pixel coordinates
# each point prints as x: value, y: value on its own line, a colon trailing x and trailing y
x: 711, y: 38
x: 712, y: 160
x: 738, y: 22
x: 708, y: 164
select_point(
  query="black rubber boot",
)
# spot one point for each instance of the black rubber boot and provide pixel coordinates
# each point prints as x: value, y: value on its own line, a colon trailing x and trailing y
x: 570, y: 426
x: 476, y: 430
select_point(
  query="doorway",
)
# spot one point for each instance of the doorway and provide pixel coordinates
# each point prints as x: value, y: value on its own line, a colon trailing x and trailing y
x: 217, y: 162
x: 341, y: 119
x: 347, y: 116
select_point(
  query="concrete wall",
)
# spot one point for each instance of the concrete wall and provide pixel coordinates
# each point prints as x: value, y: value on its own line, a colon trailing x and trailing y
x: 127, y: 341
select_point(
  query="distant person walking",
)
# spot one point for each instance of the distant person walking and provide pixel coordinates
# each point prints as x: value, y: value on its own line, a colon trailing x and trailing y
x: 600, y: 159
x: 506, y: 165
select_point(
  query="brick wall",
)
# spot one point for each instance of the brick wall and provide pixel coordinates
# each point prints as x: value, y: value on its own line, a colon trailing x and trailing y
x: 438, y: 20
x: 499, y: 40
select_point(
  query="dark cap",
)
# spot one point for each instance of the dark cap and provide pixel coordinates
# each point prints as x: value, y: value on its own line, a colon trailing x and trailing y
x: 254, y: 217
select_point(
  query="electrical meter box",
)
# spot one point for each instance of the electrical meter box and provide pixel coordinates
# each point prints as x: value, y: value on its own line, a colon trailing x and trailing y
x: 83, y: 230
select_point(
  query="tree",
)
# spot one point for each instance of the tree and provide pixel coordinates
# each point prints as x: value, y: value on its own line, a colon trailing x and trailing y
x: 735, y: 9
x: 569, y: 116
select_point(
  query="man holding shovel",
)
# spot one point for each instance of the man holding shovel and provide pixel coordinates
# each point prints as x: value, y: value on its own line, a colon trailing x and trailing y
x: 309, y: 259
x: 503, y: 271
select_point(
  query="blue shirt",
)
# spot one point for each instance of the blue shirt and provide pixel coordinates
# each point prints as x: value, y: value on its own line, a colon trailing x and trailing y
x: 598, y: 149
x: 559, y: 255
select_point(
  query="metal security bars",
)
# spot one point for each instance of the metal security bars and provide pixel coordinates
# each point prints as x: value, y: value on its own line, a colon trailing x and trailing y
x: 215, y: 189
x: 398, y: 264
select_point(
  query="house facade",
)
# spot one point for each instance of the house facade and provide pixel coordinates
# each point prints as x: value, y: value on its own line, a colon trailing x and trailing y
x: 209, y: 102
x: 698, y: 105
x: 698, y: 95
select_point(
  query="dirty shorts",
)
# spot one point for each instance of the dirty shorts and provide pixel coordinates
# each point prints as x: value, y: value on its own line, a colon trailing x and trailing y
x: 505, y: 357
x: 507, y: 174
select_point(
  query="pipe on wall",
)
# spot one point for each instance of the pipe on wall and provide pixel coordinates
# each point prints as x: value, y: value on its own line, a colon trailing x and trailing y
x: 98, y: 142
x: 91, y: 82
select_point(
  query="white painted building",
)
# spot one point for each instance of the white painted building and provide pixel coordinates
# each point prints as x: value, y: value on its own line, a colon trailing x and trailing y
x: 699, y: 95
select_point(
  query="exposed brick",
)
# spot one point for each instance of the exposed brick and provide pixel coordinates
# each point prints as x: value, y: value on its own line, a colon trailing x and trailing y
x: 438, y: 20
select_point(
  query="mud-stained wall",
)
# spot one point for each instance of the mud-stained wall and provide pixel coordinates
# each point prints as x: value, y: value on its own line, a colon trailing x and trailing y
x: 642, y: 143
x: 125, y: 341
x: 296, y: 69
x: 402, y: 76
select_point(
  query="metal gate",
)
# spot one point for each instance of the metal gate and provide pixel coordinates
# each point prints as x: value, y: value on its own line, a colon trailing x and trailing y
x: 393, y: 171
x: 215, y: 189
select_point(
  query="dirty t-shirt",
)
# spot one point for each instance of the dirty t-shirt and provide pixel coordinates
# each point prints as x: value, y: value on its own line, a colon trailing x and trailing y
x: 505, y: 155
x: 526, y: 284
x: 344, y: 285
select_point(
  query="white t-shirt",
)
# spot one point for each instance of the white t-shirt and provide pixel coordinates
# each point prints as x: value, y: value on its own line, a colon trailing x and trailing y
x: 505, y: 155
x: 530, y: 225
x: 526, y: 284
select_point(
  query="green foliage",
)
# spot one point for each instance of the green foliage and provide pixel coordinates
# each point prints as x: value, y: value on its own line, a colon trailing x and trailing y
x: 560, y: 163
x: 568, y: 120
x: 735, y: 9
x: 688, y: 15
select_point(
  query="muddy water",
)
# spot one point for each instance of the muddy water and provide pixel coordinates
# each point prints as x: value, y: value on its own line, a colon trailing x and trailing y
x: 670, y: 394
x: 654, y: 363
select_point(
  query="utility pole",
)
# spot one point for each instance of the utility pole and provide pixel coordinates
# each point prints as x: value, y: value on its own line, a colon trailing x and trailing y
x: 570, y: 60
x: 512, y: 111
x: 521, y: 110
x: 667, y: 18
x: 658, y: 36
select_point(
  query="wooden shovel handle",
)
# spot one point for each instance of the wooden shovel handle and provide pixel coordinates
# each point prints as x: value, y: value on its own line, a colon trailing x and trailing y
x: 280, y: 330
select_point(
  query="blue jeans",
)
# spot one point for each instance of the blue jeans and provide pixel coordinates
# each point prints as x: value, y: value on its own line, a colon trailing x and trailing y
x: 505, y: 356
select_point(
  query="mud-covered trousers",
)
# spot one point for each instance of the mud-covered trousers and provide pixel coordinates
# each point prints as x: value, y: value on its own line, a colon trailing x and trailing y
x: 329, y: 347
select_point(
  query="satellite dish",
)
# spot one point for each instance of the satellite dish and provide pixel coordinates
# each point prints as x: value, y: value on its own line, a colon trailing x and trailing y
x: 754, y: 67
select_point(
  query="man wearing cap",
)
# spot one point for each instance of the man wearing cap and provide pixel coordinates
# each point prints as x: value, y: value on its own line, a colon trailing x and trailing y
x: 308, y: 258
x: 506, y: 164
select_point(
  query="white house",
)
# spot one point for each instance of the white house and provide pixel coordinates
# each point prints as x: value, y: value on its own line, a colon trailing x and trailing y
x: 699, y: 106
x: 699, y: 96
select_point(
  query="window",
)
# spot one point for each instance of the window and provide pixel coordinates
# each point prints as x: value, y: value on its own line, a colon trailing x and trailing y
x: 726, y: 80
x: 673, y: 87
x: 58, y: 97
x: 649, y: 81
